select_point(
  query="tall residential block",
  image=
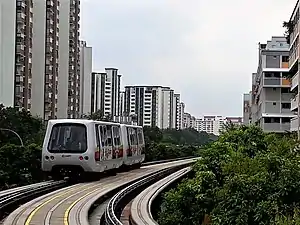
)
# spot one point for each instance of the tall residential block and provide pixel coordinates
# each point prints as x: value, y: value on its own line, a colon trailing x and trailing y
x: 246, y: 108
x: 39, y: 47
x: 69, y: 59
x: 85, y: 79
x: 45, y: 58
x: 16, y: 30
x: 153, y: 106
x: 106, y: 92
x: 294, y: 65
x: 271, y: 89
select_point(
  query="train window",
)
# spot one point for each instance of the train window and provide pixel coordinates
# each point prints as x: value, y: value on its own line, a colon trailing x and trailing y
x: 98, y: 136
x: 109, y: 135
x: 103, y: 135
x: 140, y: 137
x: 68, y: 138
x: 134, y: 136
x: 116, y: 136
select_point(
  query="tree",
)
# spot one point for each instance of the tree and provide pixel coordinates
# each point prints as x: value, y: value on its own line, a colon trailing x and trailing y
x: 98, y: 115
x: 289, y: 26
x: 22, y: 122
x: 20, y: 165
x: 245, y: 177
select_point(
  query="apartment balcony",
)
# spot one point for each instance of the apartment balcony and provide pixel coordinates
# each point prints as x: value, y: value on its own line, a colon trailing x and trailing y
x: 276, y: 82
x: 276, y: 127
x: 294, y: 124
x: 293, y: 58
x: 294, y: 103
x: 295, y: 81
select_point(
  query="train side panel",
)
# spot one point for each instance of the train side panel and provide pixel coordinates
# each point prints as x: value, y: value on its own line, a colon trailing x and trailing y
x: 109, y: 145
x: 133, y: 146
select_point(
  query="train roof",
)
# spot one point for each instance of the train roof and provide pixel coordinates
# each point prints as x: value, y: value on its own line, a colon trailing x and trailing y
x: 87, y: 121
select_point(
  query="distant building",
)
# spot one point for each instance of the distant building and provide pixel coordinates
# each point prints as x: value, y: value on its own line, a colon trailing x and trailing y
x: 106, y: 94
x: 153, y: 106
x: 85, y: 79
x: 246, y: 108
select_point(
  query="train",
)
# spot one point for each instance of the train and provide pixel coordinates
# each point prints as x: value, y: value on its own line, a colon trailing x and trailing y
x: 82, y: 148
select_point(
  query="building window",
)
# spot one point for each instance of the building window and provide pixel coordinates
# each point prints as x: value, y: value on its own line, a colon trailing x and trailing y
x: 286, y: 105
x: 285, y: 90
x: 274, y: 103
x: 285, y: 59
x: 286, y: 120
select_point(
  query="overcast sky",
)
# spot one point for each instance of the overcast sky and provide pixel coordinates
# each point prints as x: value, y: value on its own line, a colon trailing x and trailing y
x: 204, y: 50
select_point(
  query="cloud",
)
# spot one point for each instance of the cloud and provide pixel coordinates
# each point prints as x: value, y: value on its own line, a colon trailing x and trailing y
x: 205, y: 50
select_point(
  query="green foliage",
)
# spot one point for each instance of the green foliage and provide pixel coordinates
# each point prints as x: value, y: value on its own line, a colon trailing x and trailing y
x: 30, y: 129
x: 20, y: 165
x: 172, y: 143
x: 289, y: 28
x: 98, y: 115
x: 246, y: 177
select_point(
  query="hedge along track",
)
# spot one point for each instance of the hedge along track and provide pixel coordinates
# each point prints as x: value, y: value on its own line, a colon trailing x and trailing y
x: 59, y: 207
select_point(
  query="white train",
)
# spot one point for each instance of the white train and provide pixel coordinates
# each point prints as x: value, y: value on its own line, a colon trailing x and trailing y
x: 79, y: 147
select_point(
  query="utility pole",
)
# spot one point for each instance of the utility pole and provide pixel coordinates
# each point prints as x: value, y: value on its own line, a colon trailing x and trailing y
x: 21, y: 141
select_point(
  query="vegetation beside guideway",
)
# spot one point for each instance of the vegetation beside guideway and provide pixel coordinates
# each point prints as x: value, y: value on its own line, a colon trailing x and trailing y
x: 20, y: 165
x: 245, y: 177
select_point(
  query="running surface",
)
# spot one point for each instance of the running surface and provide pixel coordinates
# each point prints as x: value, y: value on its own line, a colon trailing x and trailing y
x: 69, y: 205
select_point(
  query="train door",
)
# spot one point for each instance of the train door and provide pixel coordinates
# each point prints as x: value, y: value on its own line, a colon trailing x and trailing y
x: 134, y: 141
x: 109, y: 146
x: 129, y: 140
x: 106, y: 141
x: 117, y: 147
x: 99, y: 148
x: 141, y: 144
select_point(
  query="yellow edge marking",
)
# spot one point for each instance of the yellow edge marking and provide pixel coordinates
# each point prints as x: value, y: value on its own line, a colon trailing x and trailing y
x: 67, y: 212
x: 29, y: 218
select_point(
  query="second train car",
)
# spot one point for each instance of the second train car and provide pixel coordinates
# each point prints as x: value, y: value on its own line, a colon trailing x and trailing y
x: 80, y: 147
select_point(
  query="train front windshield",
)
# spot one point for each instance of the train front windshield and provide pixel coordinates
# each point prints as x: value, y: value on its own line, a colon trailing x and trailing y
x: 68, y: 138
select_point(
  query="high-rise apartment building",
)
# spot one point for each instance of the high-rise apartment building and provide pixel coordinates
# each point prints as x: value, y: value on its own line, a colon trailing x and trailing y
x: 270, y: 106
x: 16, y: 30
x: 176, y: 122
x: 45, y: 58
x: 234, y: 120
x: 153, y: 106
x: 294, y: 66
x: 69, y: 59
x: 189, y: 121
x: 106, y: 92
x: 85, y: 78
x: 39, y: 47
x: 246, y: 108
x: 181, y: 115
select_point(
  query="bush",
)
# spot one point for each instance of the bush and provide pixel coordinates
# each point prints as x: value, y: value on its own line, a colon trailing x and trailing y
x: 246, y: 177
x: 20, y: 165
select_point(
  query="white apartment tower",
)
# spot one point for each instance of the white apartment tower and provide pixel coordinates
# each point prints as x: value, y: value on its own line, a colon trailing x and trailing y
x: 153, y: 106
x: 106, y: 93
x: 69, y: 59
x: 246, y: 108
x: 45, y: 58
x: 293, y: 65
x: 210, y: 124
x: 39, y: 47
x: 270, y: 103
x: 16, y: 30
x: 85, y: 78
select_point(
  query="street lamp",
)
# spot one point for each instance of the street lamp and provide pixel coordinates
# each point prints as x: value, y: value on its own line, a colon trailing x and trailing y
x: 5, y: 129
